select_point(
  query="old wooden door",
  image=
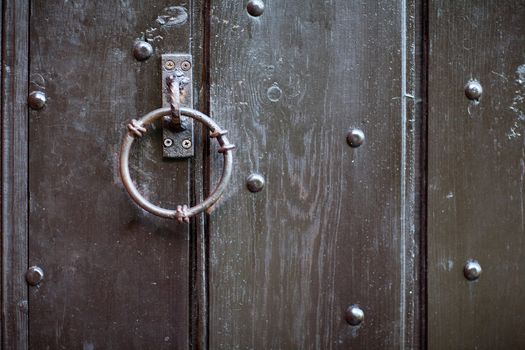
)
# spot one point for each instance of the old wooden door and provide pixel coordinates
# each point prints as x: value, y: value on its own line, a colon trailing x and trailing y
x: 380, y: 149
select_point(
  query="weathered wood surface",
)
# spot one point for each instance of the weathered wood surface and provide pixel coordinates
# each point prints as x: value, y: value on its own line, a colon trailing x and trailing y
x: 116, y: 276
x: 476, y: 171
x: 328, y: 230
x: 15, y: 36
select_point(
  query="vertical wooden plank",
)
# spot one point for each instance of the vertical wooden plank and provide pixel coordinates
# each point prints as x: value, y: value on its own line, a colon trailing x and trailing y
x: 116, y: 276
x: 333, y: 225
x: 476, y: 173
x: 15, y: 20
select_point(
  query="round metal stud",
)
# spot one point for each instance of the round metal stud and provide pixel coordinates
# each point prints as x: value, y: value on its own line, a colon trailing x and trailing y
x: 142, y: 50
x: 255, y: 7
x: 473, y: 90
x: 255, y: 182
x: 37, y: 100
x: 354, y: 315
x: 34, y: 275
x: 355, y: 138
x: 472, y: 270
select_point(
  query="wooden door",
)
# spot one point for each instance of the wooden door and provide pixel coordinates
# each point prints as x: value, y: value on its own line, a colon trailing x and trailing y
x: 367, y: 173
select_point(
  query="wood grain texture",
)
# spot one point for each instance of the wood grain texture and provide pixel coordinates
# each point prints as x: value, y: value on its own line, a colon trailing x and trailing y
x: 476, y: 173
x: 330, y: 228
x: 116, y: 276
x: 15, y: 22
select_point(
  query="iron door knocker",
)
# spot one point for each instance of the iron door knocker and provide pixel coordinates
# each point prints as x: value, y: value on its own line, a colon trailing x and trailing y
x: 137, y: 128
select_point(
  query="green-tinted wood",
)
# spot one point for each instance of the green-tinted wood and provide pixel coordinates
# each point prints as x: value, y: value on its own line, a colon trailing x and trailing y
x: 116, y: 276
x: 476, y: 172
x: 330, y: 227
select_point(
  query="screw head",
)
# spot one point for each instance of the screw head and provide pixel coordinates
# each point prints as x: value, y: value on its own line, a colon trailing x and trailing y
x: 255, y: 182
x: 37, y: 100
x: 472, y: 270
x: 142, y: 50
x: 473, y: 90
x: 354, y: 315
x: 255, y: 7
x: 34, y: 275
x: 185, y: 65
x: 186, y: 144
x: 355, y: 138
x: 169, y: 65
x: 168, y: 142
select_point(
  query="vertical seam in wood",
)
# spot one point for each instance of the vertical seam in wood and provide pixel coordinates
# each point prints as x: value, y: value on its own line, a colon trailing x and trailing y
x: 423, y: 261
x: 402, y: 286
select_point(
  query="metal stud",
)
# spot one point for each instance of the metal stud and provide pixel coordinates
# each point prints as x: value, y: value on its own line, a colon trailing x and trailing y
x: 355, y: 138
x: 472, y: 270
x: 142, y: 50
x: 255, y: 7
x: 34, y: 275
x: 473, y: 90
x: 354, y: 315
x: 255, y: 182
x: 37, y: 99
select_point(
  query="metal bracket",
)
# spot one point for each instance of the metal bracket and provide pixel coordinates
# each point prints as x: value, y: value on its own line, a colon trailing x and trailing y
x: 177, y: 141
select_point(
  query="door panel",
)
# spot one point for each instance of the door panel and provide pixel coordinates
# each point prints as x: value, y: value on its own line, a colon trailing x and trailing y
x: 327, y: 230
x: 476, y: 171
x: 115, y: 276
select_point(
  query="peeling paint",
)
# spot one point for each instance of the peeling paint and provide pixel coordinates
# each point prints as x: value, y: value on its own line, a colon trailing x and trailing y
x: 171, y: 16
x: 518, y: 105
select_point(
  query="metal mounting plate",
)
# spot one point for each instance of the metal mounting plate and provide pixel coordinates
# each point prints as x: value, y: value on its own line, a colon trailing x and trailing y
x: 179, y: 147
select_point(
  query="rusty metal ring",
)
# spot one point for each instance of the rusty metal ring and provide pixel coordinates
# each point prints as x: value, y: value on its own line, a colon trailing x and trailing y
x: 137, y: 128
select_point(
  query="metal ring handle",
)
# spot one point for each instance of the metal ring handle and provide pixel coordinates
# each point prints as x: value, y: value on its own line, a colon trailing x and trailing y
x: 137, y: 128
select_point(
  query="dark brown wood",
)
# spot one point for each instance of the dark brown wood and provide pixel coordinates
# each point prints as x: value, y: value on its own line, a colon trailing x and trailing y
x: 476, y: 172
x: 334, y: 225
x: 116, y: 276
x: 15, y: 21
x: 199, y: 166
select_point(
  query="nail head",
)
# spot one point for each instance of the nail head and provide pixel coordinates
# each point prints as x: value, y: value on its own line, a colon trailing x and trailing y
x: 255, y: 7
x: 142, y: 50
x: 255, y: 182
x: 354, y: 315
x: 472, y: 270
x: 355, y: 138
x: 34, y: 275
x: 37, y: 100
x: 473, y: 90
